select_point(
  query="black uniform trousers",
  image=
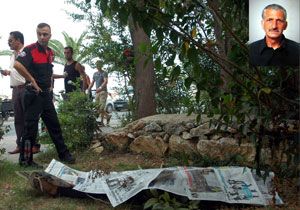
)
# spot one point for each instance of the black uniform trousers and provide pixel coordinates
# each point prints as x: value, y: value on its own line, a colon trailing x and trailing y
x: 38, y: 105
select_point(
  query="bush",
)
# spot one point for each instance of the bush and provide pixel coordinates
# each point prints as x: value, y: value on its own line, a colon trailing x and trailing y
x: 77, y: 116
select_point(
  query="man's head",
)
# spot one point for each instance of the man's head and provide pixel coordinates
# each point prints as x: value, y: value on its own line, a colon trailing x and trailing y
x: 99, y: 65
x: 68, y: 52
x: 15, y: 40
x: 274, y: 21
x: 43, y: 32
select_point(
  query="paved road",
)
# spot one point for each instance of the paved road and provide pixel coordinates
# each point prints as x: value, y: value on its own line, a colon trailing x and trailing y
x: 9, y: 139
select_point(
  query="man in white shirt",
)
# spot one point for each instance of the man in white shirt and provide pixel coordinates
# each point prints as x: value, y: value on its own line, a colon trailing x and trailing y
x: 17, y: 83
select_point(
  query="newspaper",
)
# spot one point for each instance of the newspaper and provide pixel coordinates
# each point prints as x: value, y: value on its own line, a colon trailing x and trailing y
x: 66, y: 173
x: 170, y: 180
x: 92, y: 184
x: 235, y: 185
x: 266, y: 188
x: 120, y: 186
x: 239, y: 186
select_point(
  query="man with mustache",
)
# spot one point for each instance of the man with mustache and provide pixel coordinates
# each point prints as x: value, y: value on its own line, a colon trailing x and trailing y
x: 275, y: 49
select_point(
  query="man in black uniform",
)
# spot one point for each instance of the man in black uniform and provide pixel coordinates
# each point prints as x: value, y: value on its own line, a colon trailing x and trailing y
x: 35, y: 65
x: 73, y: 70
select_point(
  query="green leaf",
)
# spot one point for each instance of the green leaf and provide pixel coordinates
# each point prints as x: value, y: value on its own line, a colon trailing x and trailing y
x: 192, y: 55
x: 197, y: 72
x: 123, y: 15
x: 150, y: 203
x: 168, y: 208
x: 158, y: 63
x: 170, y: 61
x: 175, y: 73
x: 103, y: 6
x: 266, y: 90
x: 159, y: 34
x: 165, y: 197
x: 187, y: 82
x: 174, y: 37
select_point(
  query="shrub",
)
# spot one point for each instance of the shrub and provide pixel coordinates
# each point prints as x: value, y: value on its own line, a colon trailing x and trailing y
x: 77, y: 116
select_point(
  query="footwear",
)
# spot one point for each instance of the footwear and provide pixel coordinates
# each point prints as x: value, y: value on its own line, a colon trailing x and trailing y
x: 17, y: 150
x: 68, y: 158
x: 35, y: 150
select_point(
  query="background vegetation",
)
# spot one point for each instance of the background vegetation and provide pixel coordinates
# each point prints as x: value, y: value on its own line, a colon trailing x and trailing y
x: 192, y: 56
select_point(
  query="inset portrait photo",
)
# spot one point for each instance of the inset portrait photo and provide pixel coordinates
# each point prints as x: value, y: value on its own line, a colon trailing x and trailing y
x: 274, y: 32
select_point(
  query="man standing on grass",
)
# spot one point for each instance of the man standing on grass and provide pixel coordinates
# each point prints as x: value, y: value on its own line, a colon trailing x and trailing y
x: 17, y: 83
x: 35, y: 65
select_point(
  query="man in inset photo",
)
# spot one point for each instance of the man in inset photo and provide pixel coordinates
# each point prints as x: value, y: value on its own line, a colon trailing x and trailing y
x: 274, y: 49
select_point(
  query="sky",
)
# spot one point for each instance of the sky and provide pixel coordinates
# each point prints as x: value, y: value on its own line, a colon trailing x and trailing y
x: 24, y: 16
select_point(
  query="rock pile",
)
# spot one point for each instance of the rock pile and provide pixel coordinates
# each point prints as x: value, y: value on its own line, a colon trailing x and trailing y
x: 163, y: 134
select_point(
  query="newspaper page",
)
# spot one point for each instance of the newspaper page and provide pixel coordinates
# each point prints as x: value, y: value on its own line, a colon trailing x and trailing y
x: 267, y: 188
x: 170, y: 180
x: 120, y: 186
x: 66, y: 173
x: 92, y: 184
x: 239, y: 186
x: 202, y: 184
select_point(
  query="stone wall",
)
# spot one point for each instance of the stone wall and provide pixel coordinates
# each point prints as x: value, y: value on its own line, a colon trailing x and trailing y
x: 166, y: 134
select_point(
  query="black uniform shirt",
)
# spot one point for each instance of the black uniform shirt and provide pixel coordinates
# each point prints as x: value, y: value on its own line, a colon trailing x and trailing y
x: 38, y: 61
x: 286, y: 55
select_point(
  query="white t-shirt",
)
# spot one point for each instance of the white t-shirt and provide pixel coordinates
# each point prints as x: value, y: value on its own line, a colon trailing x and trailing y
x: 15, y: 78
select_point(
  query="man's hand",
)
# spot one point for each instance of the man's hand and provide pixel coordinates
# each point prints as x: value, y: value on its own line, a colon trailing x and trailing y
x: 98, y: 90
x: 65, y: 74
x: 36, y: 87
x: 5, y: 72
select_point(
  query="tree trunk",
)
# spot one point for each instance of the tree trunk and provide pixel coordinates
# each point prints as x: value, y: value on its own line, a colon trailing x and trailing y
x: 144, y: 72
x: 222, y: 41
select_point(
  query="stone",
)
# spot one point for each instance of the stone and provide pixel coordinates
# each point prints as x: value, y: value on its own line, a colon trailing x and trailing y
x: 152, y: 127
x: 189, y: 125
x: 147, y: 144
x: 118, y: 139
x: 98, y: 150
x: 173, y: 128
x: 95, y: 145
x: 135, y: 126
x: 224, y: 148
x: 186, y: 135
x: 178, y: 144
x: 199, y: 131
x: 166, y: 138
x: 130, y: 135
